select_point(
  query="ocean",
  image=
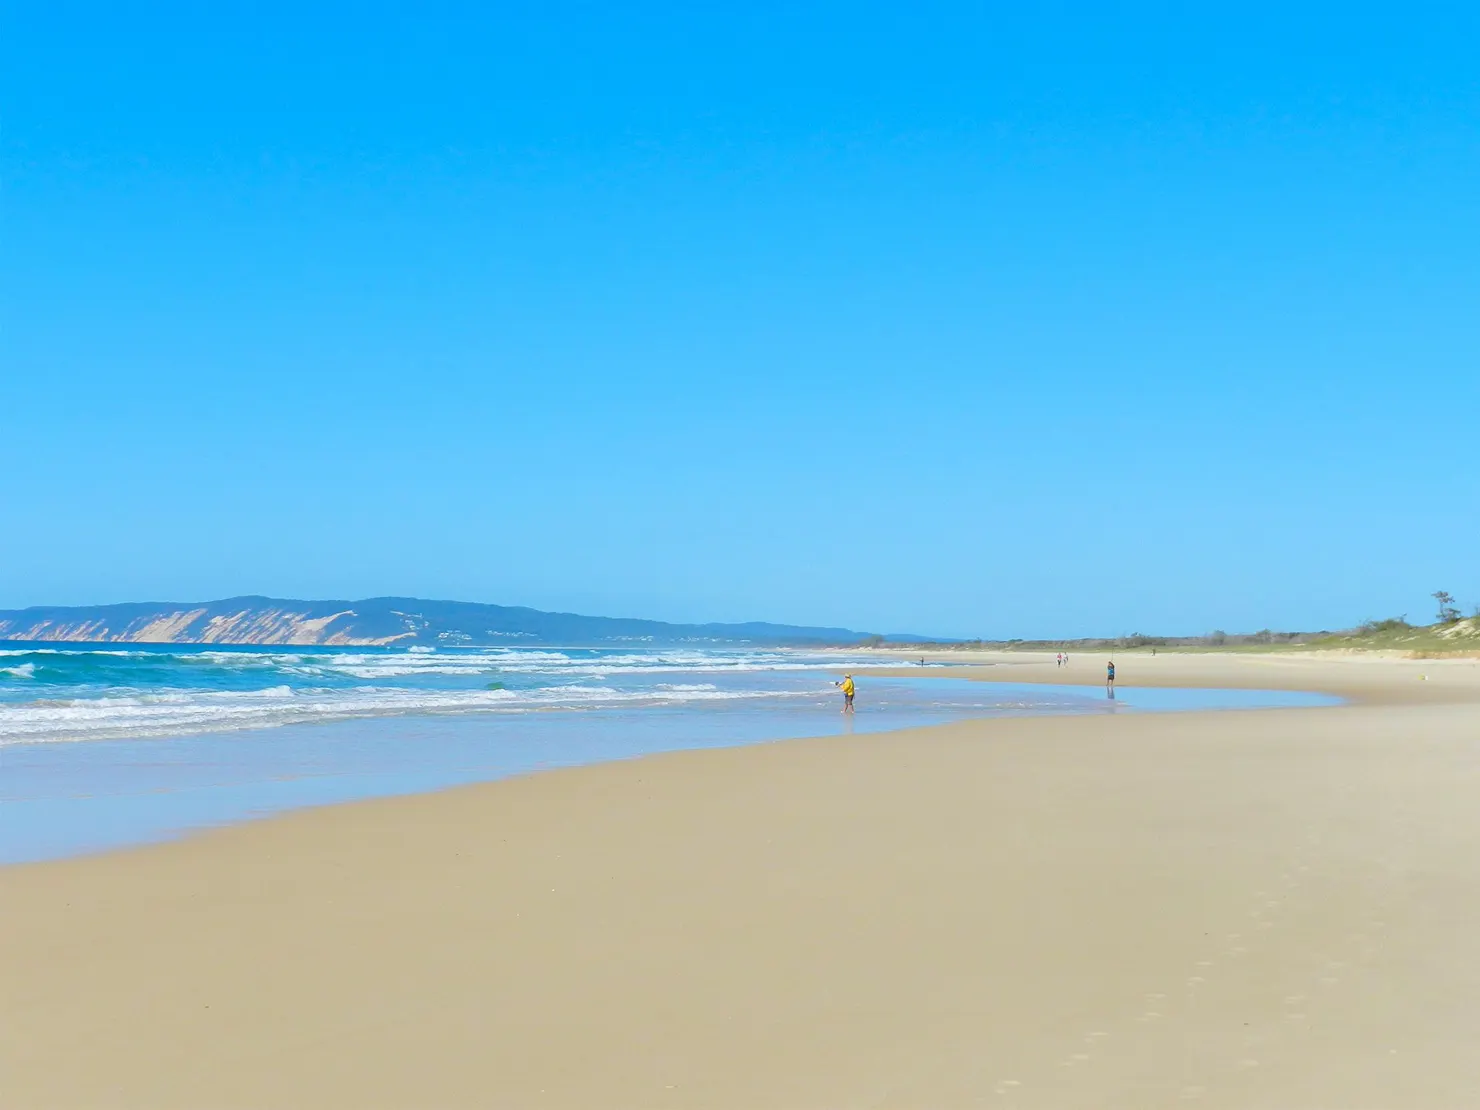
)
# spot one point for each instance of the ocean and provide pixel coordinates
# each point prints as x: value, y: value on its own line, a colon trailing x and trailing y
x: 107, y: 745
x: 98, y: 692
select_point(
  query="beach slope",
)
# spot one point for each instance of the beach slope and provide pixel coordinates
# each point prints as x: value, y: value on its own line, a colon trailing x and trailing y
x: 1269, y: 907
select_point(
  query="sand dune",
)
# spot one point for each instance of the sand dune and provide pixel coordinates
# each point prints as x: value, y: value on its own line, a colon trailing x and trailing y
x: 1264, y: 908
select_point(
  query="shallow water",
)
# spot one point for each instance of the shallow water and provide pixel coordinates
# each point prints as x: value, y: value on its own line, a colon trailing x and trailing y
x: 59, y: 799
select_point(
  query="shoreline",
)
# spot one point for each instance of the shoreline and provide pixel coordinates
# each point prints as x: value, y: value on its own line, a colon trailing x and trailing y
x: 990, y: 910
x: 74, y: 799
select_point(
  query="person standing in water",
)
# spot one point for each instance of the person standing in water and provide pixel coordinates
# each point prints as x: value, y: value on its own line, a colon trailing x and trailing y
x: 848, y: 688
x: 1110, y: 676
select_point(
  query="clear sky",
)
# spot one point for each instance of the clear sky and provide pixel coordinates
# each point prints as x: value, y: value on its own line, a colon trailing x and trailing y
x: 999, y: 320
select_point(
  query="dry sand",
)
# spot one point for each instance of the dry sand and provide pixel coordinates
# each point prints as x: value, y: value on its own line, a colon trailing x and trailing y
x: 1364, y: 677
x: 1265, y: 908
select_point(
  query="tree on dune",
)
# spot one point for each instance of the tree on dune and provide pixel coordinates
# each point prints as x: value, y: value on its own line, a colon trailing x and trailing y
x: 1448, y: 613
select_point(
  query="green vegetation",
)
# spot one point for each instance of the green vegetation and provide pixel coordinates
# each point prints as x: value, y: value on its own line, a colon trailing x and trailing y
x: 1451, y: 635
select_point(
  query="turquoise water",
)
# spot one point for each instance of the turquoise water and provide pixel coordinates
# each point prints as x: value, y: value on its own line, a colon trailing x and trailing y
x: 106, y: 750
x: 101, y: 692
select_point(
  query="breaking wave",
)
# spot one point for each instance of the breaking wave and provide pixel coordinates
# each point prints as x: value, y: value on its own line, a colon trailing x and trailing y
x: 67, y: 694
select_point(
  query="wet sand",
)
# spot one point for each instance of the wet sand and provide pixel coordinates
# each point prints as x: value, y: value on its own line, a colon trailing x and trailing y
x: 1255, y: 908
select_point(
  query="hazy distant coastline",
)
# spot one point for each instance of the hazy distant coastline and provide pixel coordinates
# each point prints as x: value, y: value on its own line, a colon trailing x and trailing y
x: 408, y: 622
x: 402, y: 621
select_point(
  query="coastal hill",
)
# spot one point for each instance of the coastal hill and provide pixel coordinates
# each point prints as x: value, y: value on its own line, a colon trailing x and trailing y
x: 383, y: 620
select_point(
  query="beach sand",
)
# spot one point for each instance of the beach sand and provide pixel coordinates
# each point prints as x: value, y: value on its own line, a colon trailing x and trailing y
x: 1271, y: 908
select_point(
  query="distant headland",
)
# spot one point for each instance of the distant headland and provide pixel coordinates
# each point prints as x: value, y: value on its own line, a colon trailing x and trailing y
x: 403, y: 621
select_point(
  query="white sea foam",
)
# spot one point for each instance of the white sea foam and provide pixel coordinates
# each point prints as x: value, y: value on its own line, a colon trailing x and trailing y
x: 176, y: 692
x: 454, y: 664
x: 139, y: 714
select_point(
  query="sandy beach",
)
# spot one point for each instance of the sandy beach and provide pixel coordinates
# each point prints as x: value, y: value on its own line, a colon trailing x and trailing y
x: 1271, y: 908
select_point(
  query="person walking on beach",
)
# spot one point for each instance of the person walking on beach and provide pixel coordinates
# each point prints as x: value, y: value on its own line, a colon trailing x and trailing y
x: 848, y: 688
x: 1110, y: 676
x: 1059, y: 659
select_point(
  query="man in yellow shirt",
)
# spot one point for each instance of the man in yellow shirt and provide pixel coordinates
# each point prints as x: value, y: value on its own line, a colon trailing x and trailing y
x: 847, y: 685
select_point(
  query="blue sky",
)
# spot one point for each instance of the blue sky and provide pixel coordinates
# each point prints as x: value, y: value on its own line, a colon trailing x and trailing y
x: 998, y: 320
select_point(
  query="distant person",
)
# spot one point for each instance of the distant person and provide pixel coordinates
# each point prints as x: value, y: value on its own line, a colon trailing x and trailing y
x: 1110, y: 676
x: 1059, y: 659
x: 848, y: 689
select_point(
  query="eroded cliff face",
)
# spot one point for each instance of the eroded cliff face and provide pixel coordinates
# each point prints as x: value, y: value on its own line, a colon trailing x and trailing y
x: 198, y: 626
